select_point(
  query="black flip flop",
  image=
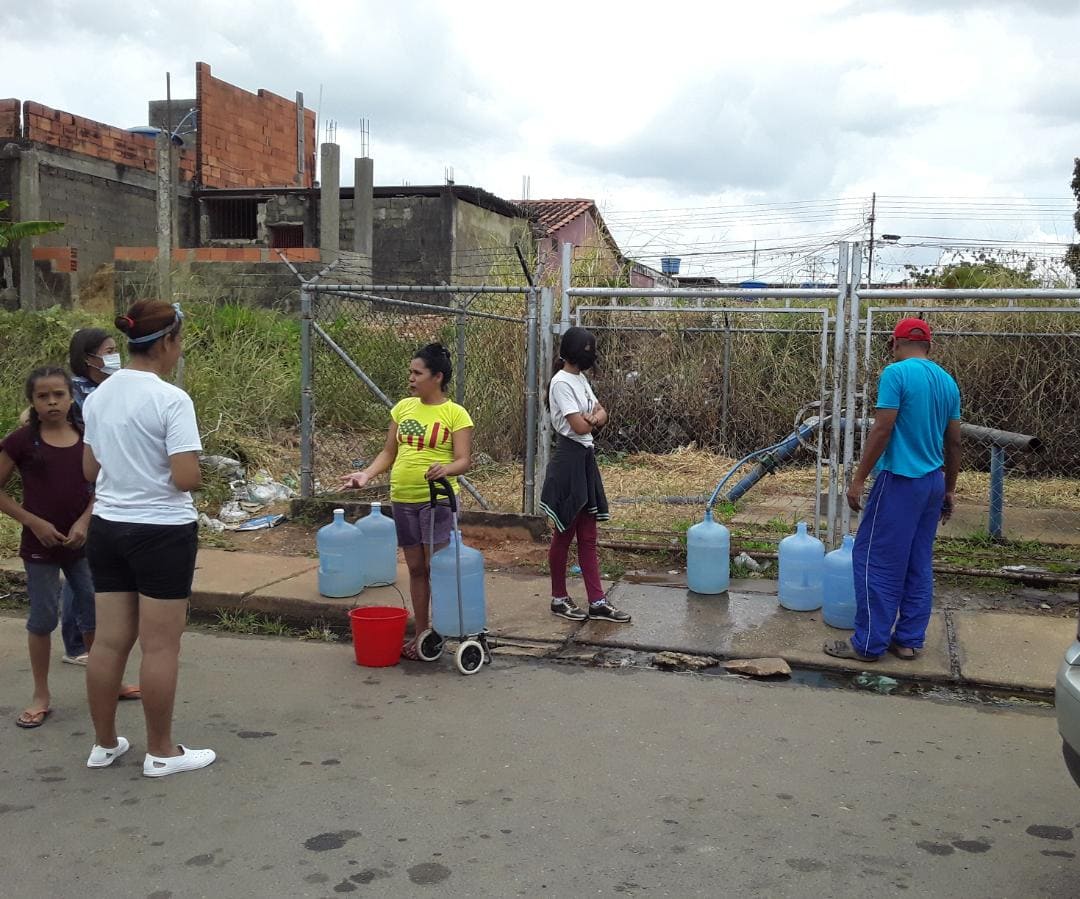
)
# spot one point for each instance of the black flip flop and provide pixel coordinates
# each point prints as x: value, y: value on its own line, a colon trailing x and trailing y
x: 841, y: 649
x: 895, y: 650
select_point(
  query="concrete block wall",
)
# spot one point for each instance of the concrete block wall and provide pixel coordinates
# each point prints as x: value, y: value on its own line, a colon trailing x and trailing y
x: 56, y: 275
x: 251, y: 276
x: 86, y: 137
x: 10, y: 120
x: 98, y: 211
x: 249, y: 140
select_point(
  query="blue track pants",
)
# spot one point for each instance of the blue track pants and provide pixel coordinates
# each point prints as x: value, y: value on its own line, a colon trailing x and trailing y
x: 893, y: 555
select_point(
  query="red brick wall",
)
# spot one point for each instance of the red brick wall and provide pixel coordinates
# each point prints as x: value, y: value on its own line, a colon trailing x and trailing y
x: 90, y: 138
x: 63, y: 259
x: 216, y: 254
x: 9, y: 120
x: 248, y: 140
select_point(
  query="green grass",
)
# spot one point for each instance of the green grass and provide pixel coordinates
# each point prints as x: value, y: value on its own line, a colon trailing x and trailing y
x: 241, y: 622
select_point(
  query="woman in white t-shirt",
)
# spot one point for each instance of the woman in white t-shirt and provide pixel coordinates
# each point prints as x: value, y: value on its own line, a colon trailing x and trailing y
x: 573, y: 495
x: 142, y: 452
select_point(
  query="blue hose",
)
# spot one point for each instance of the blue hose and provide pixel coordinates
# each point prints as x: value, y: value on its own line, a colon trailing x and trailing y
x: 784, y: 450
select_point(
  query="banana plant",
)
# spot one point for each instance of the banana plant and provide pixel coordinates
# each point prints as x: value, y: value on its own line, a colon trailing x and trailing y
x: 13, y: 231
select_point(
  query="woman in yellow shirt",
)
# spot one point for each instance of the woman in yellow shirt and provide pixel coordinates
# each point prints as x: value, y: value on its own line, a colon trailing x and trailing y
x: 430, y: 437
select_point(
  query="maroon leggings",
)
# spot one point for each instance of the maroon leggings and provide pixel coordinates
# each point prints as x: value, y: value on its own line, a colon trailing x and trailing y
x: 584, y: 526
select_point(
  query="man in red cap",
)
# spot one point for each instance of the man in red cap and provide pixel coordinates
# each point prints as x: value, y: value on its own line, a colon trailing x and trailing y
x: 913, y: 449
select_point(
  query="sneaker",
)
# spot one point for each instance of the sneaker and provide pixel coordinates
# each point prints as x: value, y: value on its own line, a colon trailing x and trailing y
x: 189, y: 760
x: 75, y: 660
x: 602, y: 610
x: 565, y: 607
x: 100, y: 757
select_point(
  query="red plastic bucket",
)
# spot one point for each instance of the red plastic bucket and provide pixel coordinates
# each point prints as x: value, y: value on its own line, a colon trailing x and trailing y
x: 378, y: 633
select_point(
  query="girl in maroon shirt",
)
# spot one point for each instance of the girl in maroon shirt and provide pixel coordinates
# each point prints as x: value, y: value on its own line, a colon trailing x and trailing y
x: 55, y: 515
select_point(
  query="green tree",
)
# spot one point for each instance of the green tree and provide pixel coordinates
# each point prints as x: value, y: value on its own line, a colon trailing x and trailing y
x: 13, y: 231
x: 982, y: 271
x: 1072, y: 255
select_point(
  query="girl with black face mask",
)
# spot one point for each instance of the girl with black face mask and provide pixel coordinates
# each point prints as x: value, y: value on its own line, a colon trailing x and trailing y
x: 573, y: 495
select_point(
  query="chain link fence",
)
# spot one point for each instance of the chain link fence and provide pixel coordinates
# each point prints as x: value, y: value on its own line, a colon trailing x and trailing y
x: 361, y: 345
x: 1017, y: 364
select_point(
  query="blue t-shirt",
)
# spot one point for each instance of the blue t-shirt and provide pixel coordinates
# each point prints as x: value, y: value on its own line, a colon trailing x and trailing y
x: 927, y: 399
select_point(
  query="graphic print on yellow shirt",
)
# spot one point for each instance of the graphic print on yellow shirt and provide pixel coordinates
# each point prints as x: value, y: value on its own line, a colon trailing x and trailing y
x: 424, y: 437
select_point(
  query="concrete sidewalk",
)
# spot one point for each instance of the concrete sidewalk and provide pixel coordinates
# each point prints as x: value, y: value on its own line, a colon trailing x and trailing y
x: 978, y: 648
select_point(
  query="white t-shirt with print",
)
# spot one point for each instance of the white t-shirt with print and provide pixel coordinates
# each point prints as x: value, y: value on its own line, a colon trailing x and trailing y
x: 134, y: 422
x: 568, y: 394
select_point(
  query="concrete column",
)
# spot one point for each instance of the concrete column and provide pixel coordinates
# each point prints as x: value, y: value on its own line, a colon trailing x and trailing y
x: 164, y: 218
x: 27, y: 208
x: 330, y: 201
x: 363, y: 210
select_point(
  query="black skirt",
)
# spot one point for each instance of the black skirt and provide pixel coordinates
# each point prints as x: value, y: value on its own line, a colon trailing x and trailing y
x: 573, y: 484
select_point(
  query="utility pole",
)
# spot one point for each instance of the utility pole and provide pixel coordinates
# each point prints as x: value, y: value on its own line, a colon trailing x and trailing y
x: 870, y: 262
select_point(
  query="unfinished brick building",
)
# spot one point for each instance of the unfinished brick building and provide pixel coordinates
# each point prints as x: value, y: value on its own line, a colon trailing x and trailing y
x: 103, y: 181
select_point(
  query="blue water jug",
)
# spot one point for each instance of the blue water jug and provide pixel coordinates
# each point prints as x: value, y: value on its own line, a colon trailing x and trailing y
x: 802, y: 568
x: 708, y: 557
x: 378, y: 547
x: 838, y: 607
x: 444, y: 589
x: 339, y: 558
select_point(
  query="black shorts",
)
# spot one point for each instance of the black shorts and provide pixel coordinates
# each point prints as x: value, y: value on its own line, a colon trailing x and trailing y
x: 156, y: 560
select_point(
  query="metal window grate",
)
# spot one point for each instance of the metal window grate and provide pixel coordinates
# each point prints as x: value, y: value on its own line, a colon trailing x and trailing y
x: 286, y: 236
x: 233, y: 219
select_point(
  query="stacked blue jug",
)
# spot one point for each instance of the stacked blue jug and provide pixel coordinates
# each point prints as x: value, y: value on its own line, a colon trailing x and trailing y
x: 708, y: 556
x: 802, y: 570
x: 839, y: 600
x: 378, y: 547
x: 444, y: 589
x: 338, y: 544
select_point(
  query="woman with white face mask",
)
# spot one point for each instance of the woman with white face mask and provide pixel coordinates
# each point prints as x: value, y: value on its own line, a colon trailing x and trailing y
x: 93, y: 356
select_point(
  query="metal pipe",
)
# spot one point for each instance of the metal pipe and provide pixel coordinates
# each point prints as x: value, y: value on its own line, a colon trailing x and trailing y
x: 712, y: 310
x: 462, y: 322
x: 1003, y: 293
x: 531, y: 396
x: 842, y: 275
x: 1006, y: 439
x: 427, y: 307
x: 750, y: 293
x: 384, y: 399
x: 547, y: 353
x: 852, y: 376
x: 997, y: 491
x: 725, y: 384
x: 416, y: 288
x: 783, y: 451
x: 823, y: 378
x: 307, y: 480
x: 566, y: 262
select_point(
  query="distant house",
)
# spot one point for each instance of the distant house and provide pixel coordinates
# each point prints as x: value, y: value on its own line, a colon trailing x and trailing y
x: 579, y: 223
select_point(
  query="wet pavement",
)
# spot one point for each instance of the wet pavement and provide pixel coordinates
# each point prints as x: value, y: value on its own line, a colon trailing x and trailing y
x: 976, y: 648
x: 529, y: 779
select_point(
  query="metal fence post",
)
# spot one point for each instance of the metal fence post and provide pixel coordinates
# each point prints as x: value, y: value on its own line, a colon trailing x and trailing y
x: 462, y: 323
x: 546, y: 353
x: 567, y: 261
x: 725, y: 383
x: 531, y: 395
x: 842, y: 273
x: 997, y: 491
x: 307, y: 483
x: 852, y: 376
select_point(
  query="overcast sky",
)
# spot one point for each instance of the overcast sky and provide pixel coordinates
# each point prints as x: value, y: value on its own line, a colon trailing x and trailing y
x: 768, y: 121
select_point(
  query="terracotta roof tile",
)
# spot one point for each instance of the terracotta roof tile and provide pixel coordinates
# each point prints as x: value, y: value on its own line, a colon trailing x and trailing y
x: 551, y: 215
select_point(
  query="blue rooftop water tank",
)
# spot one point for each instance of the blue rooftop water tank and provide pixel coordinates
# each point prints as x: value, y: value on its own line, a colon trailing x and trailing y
x: 669, y: 265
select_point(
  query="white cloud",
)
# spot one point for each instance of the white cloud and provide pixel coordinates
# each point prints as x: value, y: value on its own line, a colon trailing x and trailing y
x: 637, y: 105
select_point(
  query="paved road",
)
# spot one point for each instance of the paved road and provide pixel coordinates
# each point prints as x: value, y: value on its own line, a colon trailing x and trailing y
x: 531, y: 780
